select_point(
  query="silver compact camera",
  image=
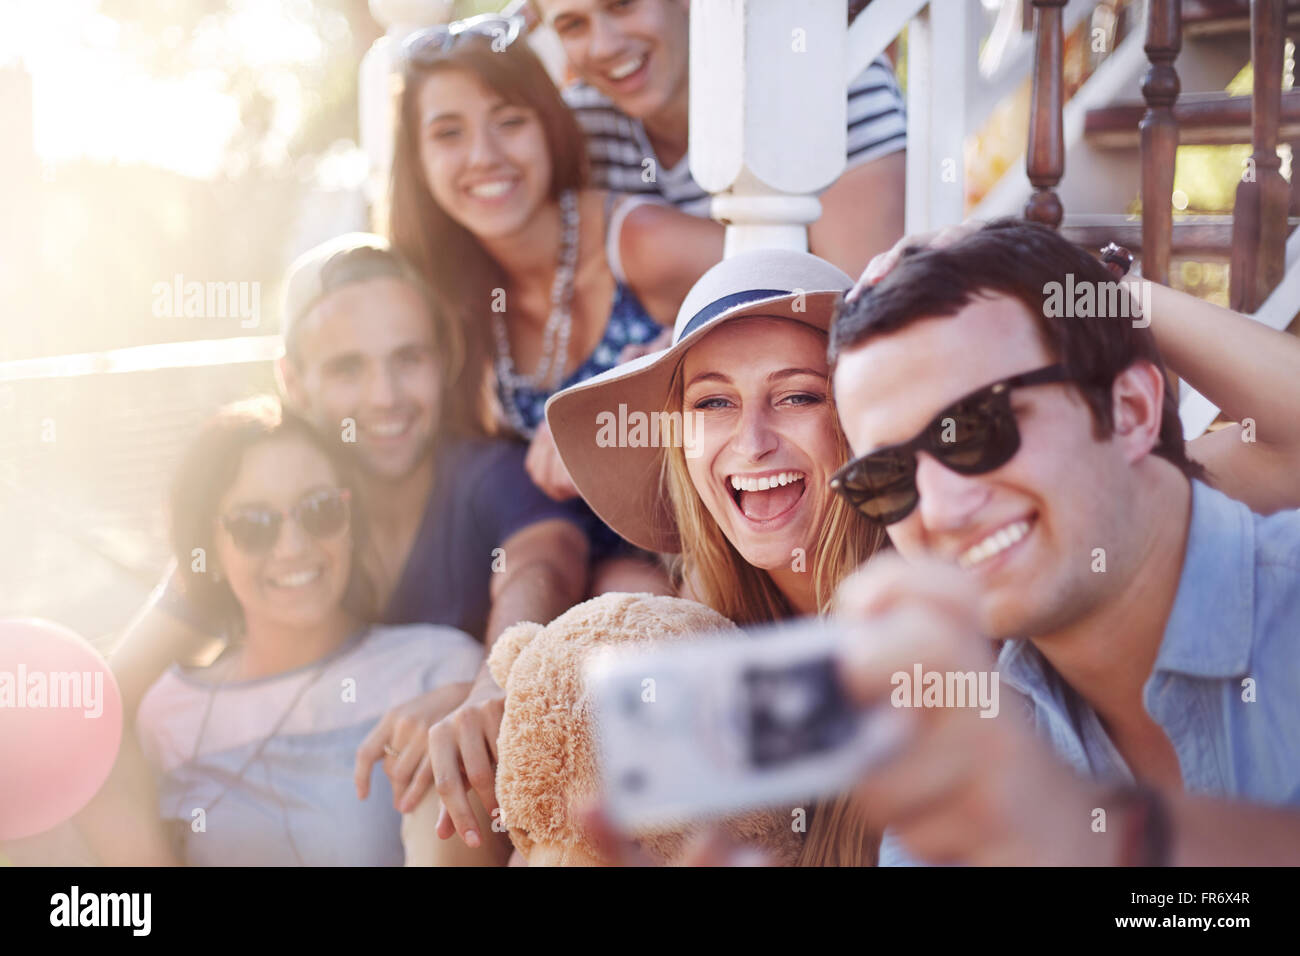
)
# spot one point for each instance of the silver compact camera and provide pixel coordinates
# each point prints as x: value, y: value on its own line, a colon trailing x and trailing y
x: 725, y: 724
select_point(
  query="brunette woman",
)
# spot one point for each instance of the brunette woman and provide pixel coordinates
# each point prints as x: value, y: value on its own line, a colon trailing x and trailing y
x: 551, y: 281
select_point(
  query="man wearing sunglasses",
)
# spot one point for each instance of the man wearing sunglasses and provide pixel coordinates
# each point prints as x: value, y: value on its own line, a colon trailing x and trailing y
x: 1031, y: 470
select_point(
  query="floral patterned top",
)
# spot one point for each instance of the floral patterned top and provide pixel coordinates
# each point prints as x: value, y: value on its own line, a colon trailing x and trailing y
x: 629, y: 324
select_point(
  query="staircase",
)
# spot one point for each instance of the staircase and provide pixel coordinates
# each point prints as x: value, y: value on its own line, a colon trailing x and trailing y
x: 1101, y: 140
x: 1253, y: 238
x: 1087, y: 159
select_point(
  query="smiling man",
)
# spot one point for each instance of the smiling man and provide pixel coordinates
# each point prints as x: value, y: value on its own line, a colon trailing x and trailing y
x: 632, y: 58
x: 1152, y: 623
x: 458, y: 534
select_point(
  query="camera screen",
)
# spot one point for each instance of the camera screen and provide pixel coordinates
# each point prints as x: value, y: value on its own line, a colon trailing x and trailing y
x: 795, y: 711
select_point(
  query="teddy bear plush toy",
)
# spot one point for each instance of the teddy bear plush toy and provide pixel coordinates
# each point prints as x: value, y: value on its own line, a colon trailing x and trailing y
x: 546, y: 751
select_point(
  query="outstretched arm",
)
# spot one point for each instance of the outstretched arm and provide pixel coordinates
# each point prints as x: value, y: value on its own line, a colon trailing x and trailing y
x: 962, y: 789
x: 153, y: 641
x: 121, y: 826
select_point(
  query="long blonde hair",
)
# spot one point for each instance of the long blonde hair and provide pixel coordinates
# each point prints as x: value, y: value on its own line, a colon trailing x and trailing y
x: 718, y: 576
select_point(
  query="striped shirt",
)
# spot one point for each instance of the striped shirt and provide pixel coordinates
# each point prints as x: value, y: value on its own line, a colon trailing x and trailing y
x: 618, y: 146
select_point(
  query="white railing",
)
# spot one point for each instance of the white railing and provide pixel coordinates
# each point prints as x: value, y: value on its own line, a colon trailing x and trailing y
x: 939, y: 58
x: 1195, y: 410
x: 767, y: 114
x: 192, y: 353
x: 952, y: 88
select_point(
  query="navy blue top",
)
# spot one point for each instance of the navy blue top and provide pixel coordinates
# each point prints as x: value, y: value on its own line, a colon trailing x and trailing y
x: 481, y: 496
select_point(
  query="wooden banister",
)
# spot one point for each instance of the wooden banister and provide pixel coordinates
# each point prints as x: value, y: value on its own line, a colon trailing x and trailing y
x: 1045, y: 158
x: 1159, y: 136
x: 1203, y: 118
x: 1259, y: 216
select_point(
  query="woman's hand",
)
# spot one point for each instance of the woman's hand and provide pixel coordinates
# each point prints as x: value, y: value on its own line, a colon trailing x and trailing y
x: 399, y: 741
x: 462, y: 748
x: 544, y: 466
x: 881, y: 265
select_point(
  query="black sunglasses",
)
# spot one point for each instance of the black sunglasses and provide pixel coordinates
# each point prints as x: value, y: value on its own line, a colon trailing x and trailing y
x: 321, y: 514
x: 425, y: 47
x: 972, y: 436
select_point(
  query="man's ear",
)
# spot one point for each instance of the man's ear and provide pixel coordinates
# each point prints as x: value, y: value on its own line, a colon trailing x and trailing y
x: 289, y: 380
x: 1137, y: 400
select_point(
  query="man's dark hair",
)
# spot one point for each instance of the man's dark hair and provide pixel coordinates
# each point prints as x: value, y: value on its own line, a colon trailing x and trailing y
x: 1019, y: 259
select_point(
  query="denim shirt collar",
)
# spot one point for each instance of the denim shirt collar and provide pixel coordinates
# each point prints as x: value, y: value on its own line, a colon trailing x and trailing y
x: 1212, y: 623
x: 1209, y: 632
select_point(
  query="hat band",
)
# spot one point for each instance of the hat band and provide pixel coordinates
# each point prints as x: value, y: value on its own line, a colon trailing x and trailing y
x: 718, y: 306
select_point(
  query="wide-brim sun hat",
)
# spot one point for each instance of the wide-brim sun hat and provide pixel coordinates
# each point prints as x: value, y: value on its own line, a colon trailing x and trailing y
x: 621, y: 480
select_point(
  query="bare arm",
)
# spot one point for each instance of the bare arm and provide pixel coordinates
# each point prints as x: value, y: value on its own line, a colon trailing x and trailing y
x: 545, y: 574
x: 664, y: 252
x: 121, y: 825
x: 1251, y: 372
x: 153, y: 641
x: 862, y: 213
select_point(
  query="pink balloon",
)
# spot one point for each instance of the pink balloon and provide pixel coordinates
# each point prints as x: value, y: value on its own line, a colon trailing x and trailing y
x: 60, y: 725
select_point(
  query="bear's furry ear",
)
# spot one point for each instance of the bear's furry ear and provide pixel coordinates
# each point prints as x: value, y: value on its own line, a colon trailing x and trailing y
x: 507, y: 648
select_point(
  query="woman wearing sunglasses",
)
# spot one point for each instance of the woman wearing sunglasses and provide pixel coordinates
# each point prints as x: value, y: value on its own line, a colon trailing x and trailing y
x: 254, y: 753
x: 745, y: 496
x: 553, y: 282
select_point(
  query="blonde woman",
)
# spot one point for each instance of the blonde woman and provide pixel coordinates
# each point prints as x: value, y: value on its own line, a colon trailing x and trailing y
x: 742, y: 401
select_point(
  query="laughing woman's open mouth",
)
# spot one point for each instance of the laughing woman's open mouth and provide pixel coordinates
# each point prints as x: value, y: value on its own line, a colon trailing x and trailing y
x: 769, y: 496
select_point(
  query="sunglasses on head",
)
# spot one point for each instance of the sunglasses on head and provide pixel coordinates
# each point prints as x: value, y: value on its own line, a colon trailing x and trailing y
x: 972, y: 436
x: 426, y: 47
x: 321, y: 514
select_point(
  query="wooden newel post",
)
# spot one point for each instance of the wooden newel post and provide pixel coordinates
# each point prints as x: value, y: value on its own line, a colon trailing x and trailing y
x: 1259, y: 216
x: 1159, y: 145
x: 767, y: 114
x: 1045, y: 159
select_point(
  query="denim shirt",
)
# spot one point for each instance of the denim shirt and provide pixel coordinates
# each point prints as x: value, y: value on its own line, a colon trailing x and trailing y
x: 1226, y: 684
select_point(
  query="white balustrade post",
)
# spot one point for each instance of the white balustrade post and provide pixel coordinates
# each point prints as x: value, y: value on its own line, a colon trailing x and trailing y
x: 767, y: 114
x: 377, y: 77
x: 920, y: 72
x: 939, y: 66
